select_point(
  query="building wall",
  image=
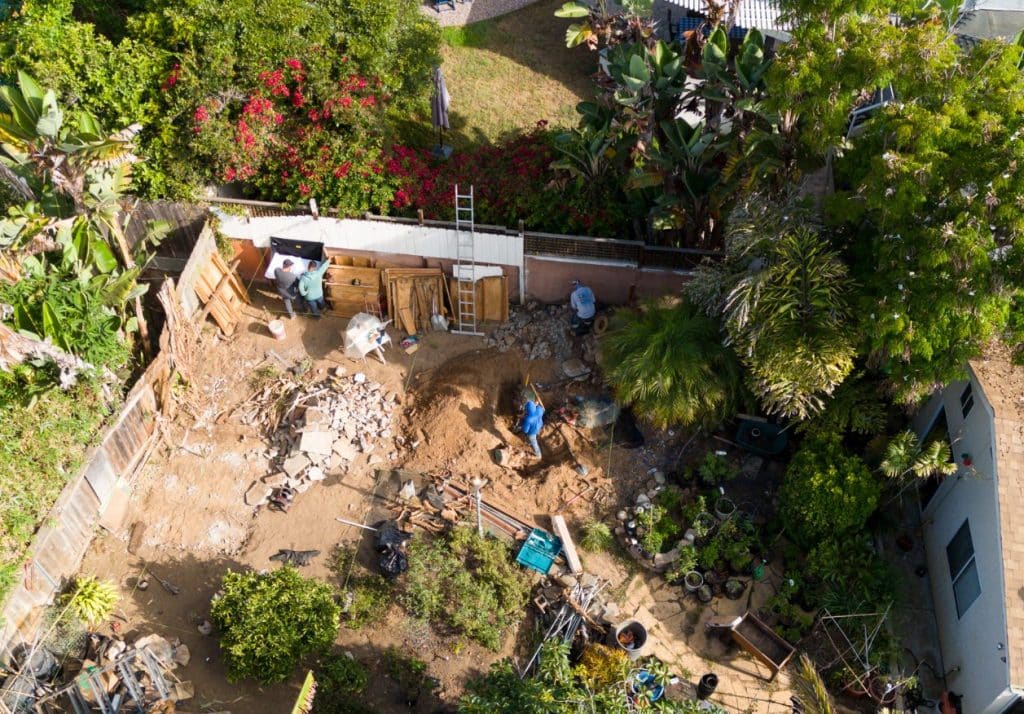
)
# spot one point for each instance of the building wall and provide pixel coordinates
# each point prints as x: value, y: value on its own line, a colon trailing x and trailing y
x: 970, y: 645
x: 548, y: 279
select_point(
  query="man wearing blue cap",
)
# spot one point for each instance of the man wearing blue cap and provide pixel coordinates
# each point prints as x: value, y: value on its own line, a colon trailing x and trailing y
x: 584, y: 305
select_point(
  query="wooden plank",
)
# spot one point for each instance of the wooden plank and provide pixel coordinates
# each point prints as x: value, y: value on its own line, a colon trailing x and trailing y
x: 568, y: 547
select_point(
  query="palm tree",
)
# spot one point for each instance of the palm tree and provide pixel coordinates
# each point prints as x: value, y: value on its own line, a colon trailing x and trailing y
x: 905, y: 456
x: 669, y: 363
x: 783, y: 294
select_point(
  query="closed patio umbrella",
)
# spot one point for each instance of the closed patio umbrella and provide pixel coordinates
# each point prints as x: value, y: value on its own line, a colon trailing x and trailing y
x: 439, y: 102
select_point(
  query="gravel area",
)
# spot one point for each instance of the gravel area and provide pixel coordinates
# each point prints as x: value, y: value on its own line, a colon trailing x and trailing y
x: 466, y: 13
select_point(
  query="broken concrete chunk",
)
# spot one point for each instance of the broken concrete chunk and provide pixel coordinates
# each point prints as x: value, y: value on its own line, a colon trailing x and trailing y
x: 408, y: 491
x: 295, y: 464
x: 574, y: 368
x: 316, y: 473
x: 276, y: 480
x: 182, y: 655
x: 346, y: 449
x: 317, y: 442
x: 358, y: 377
x: 302, y: 486
x: 158, y: 646
x: 258, y: 494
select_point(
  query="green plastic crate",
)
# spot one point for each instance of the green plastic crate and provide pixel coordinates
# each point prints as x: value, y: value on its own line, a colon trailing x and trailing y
x: 539, y: 551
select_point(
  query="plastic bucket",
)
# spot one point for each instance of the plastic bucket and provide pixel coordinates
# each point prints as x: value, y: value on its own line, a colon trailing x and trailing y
x: 706, y: 687
x: 276, y: 328
x: 629, y: 630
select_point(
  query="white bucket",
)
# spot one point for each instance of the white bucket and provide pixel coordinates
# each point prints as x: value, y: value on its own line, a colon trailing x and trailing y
x: 276, y: 328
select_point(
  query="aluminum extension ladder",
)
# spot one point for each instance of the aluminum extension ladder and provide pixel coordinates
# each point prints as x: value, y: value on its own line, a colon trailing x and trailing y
x: 465, y: 264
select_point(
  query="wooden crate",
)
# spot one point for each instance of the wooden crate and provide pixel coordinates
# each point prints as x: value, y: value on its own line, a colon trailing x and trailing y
x: 347, y: 299
x: 491, y: 298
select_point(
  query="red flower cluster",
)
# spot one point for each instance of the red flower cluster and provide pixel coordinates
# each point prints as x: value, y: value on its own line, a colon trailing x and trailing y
x: 172, y: 78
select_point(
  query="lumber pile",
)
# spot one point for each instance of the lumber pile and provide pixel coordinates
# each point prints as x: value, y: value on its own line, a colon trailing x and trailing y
x: 180, y: 347
x: 221, y: 292
x: 491, y: 298
x: 413, y: 296
x: 352, y: 289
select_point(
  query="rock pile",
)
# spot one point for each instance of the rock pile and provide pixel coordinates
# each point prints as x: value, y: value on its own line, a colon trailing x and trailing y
x: 331, y: 424
x: 539, y: 331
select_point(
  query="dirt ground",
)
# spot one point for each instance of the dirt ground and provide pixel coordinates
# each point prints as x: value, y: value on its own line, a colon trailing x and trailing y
x: 189, y: 523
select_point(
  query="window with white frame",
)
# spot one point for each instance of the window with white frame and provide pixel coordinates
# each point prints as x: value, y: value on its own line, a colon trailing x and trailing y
x: 963, y: 569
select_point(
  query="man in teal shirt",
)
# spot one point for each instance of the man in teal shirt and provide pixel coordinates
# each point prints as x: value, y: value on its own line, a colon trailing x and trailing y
x: 311, y: 286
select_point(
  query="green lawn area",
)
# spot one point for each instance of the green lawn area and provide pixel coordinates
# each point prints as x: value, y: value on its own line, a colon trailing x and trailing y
x: 42, y: 445
x: 506, y: 74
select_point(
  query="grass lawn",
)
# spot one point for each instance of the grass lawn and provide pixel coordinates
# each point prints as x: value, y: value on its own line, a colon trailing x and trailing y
x: 42, y: 445
x: 506, y: 74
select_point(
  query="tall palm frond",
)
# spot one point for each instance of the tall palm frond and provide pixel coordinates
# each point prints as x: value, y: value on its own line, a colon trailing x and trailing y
x: 810, y: 689
x: 905, y: 456
x: 671, y: 365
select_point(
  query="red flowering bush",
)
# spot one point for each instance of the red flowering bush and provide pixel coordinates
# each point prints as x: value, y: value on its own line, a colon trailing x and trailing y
x: 511, y: 182
x: 293, y: 139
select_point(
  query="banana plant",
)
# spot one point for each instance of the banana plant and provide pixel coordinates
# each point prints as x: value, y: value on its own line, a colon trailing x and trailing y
x: 600, y: 26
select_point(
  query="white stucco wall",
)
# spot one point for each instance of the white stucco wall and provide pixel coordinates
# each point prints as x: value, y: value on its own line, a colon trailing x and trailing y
x: 378, y: 236
x: 970, y: 646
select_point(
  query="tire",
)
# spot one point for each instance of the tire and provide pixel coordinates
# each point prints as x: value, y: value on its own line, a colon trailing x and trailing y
x: 600, y: 324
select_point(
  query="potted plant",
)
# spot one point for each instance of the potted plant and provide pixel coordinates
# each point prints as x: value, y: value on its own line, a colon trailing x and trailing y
x: 734, y: 588
x: 693, y: 580
x: 724, y: 508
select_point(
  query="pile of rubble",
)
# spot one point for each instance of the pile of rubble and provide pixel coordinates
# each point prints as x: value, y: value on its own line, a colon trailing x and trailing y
x: 326, y: 427
x: 539, y: 331
x: 114, y: 676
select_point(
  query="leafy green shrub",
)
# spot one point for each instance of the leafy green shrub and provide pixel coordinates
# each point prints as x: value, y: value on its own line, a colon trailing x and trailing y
x: 468, y: 583
x: 597, y: 536
x: 659, y: 529
x: 687, y: 561
x: 269, y: 622
x: 408, y: 672
x: 715, y: 469
x: 826, y: 491
x: 340, y: 680
x: 91, y: 600
x: 367, y: 597
x: 601, y: 666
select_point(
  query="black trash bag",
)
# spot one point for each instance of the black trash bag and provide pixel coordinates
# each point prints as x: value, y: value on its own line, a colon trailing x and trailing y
x: 390, y: 543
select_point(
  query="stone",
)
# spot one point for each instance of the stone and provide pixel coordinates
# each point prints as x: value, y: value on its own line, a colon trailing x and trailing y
x: 316, y: 415
x: 317, y: 442
x: 205, y: 628
x: 302, y: 486
x: 575, y: 369
x: 659, y: 478
x: 663, y: 559
x: 295, y: 464
x: 665, y: 610
x: 610, y: 613
x: 258, y: 494
x: 276, y: 480
x: 359, y: 378
x: 182, y: 655
x: 316, y: 474
x: 642, y: 498
x: 408, y: 491
x: 340, y: 371
x: 566, y: 580
x: 158, y: 646
x: 345, y: 449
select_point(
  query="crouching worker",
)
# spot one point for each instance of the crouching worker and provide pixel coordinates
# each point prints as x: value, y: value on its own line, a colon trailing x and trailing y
x: 533, y: 421
x: 584, y: 305
x: 311, y: 287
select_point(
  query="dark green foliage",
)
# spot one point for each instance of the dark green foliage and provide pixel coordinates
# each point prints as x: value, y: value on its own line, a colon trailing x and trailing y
x: 556, y: 688
x: 857, y: 406
x: 269, y: 622
x: 366, y: 597
x: 340, y: 680
x: 670, y: 365
x: 826, y: 491
x: 714, y: 469
x: 466, y: 583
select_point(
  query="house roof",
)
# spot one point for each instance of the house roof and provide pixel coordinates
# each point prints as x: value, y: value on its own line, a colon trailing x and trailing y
x: 1003, y: 385
x: 762, y: 14
x: 990, y: 19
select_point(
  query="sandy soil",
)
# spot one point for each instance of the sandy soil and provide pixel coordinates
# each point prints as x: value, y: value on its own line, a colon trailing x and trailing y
x: 194, y: 525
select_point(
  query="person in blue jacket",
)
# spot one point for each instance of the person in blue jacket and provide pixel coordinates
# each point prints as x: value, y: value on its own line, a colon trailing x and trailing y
x: 533, y: 421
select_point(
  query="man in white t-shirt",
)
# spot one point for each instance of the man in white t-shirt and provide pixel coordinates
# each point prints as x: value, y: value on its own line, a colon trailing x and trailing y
x: 584, y: 305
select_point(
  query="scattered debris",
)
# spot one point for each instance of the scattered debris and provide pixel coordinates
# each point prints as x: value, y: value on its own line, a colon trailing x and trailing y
x: 295, y: 557
x: 540, y: 333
